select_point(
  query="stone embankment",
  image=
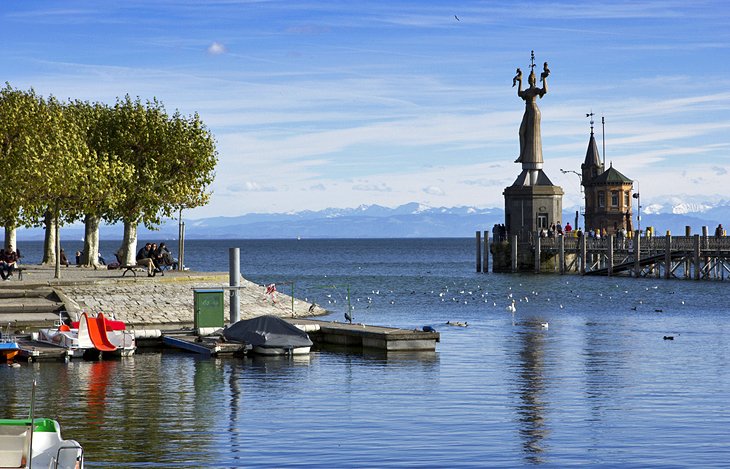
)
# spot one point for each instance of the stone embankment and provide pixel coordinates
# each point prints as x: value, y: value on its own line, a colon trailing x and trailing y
x: 157, y: 302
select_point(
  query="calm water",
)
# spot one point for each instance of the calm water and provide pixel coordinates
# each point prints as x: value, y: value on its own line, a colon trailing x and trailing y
x: 599, y: 387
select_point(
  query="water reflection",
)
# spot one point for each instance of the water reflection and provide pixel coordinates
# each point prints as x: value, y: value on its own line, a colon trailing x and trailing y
x: 531, y: 383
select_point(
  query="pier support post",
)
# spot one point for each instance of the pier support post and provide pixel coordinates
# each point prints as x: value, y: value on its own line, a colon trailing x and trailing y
x: 668, y: 257
x: 514, y: 253
x: 479, y: 251
x: 697, y: 256
x: 637, y: 253
x: 485, y: 257
x: 610, y: 255
x: 234, y: 276
x: 562, y: 254
x: 582, y: 242
x: 537, y: 252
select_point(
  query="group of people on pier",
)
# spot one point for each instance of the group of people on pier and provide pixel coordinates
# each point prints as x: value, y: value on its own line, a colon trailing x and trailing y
x: 155, y: 258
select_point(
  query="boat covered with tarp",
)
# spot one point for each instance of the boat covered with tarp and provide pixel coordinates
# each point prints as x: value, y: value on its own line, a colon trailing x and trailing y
x: 269, y: 335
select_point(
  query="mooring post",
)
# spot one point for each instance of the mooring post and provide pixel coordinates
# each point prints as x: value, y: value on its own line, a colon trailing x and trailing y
x: 668, y: 256
x: 610, y: 255
x: 562, y: 255
x: 582, y: 242
x: 234, y: 275
x: 537, y: 252
x: 485, y: 257
x: 686, y: 262
x: 479, y: 251
x: 697, y: 256
x: 514, y: 253
x: 637, y: 253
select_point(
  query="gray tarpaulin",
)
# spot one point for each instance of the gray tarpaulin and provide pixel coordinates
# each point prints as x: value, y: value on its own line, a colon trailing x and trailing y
x: 267, y: 331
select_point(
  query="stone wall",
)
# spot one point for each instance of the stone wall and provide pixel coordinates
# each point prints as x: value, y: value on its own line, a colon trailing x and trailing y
x: 168, y: 301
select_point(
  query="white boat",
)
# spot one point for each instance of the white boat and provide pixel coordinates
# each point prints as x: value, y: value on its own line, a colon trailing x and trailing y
x: 37, y: 443
x: 90, y: 335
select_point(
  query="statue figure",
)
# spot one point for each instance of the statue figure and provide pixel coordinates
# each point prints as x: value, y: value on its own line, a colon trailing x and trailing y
x: 530, y: 140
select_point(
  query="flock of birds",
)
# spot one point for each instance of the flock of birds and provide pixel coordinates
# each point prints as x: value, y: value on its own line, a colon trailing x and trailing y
x: 510, y: 300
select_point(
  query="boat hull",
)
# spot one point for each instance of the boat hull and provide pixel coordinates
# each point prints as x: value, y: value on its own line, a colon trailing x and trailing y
x: 48, y: 448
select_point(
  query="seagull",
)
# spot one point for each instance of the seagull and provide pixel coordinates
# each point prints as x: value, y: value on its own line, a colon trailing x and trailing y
x: 512, y: 308
x: 544, y: 325
x: 457, y: 18
x: 457, y: 323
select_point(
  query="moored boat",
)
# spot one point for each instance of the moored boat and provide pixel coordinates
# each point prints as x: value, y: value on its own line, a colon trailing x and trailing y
x: 269, y: 335
x: 9, y: 347
x: 37, y: 443
x: 89, y: 336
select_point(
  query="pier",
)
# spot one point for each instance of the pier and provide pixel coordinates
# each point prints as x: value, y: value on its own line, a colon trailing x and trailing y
x: 696, y: 257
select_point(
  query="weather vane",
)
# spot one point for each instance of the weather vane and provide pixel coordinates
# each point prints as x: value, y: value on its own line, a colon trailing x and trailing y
x: 591, y: 116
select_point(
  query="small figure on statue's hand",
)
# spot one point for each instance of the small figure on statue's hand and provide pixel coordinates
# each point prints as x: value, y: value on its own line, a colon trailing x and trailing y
x: 545, y: 72
x: 517, y: 77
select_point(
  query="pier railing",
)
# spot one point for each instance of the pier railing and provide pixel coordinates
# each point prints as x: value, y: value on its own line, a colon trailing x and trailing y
x: 698, y: 256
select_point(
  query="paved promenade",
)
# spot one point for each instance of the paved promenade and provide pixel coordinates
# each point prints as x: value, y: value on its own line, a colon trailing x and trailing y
x: 158, y: 302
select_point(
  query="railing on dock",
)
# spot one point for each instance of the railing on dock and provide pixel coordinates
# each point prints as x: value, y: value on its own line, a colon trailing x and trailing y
x: 697, y: 257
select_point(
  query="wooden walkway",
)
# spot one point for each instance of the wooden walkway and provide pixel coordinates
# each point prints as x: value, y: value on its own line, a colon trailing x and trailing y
x: 698, y: 257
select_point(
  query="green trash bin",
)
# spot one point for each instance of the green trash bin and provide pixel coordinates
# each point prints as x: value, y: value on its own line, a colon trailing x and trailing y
x: 208, y: 308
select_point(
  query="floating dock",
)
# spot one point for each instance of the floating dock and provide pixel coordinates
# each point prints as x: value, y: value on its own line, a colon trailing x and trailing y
x: 387, y: 339
x: 204, y: 345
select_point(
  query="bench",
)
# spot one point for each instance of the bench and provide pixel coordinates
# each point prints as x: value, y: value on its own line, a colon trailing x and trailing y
x: 19, y: 270
x: 132, y: 268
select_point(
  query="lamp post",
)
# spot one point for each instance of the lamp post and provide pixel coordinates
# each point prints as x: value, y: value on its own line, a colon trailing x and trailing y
x: 637, y: 196
x: 580, y: 185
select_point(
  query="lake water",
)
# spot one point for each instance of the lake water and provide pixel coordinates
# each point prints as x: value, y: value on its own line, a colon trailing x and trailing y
x: 599, y: 387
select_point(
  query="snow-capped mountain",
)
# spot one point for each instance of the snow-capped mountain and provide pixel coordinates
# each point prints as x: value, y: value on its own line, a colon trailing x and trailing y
x: 411, y: 220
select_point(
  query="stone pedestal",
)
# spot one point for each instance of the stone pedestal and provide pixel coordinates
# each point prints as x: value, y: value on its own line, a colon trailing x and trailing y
x: 530, y: 208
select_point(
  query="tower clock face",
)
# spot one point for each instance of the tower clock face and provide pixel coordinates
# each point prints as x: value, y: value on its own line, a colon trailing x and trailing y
x: 543, y: 208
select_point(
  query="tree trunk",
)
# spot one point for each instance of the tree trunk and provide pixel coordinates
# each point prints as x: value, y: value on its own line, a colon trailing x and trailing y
x: 128, y: 249
x: 90, y: 255
x: 49, y: 241
x: 11, y: 237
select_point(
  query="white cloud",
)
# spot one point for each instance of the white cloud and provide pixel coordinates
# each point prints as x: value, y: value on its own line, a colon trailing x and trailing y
x: 216, y: 48
x: 433, y: 190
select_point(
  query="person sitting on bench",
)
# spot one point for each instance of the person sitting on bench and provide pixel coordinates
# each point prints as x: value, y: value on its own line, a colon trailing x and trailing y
x: 165, y: 257
x: 9, y: 262
x: 144, y: 259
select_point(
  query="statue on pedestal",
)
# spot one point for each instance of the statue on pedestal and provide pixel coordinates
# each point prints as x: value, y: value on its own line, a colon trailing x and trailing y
x: 530, y: 140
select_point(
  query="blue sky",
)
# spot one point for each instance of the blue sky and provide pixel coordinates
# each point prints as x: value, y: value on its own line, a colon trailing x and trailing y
x: 319, y: 104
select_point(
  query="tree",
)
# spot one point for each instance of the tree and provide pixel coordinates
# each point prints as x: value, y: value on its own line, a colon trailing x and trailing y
x: 93, y: 121
x: 21, y: 118
x: 173, y: 160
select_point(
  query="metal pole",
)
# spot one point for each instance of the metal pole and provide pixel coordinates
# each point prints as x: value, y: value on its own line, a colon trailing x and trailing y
x: 57, y: 271
x: 234, y: 274
x: 603, y: 126
x: 180, y: 248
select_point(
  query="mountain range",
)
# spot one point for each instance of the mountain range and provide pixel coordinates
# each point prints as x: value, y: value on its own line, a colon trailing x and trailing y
x: 411, y: 220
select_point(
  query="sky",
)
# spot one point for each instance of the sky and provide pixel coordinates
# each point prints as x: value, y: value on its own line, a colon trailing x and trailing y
x: 317, y: 104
